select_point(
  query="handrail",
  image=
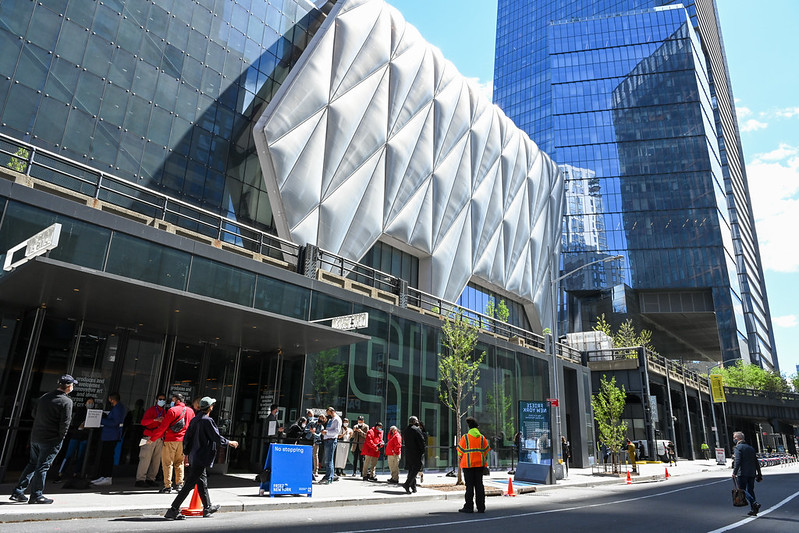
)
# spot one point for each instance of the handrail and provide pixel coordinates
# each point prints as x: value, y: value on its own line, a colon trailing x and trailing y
x: 755, y: 393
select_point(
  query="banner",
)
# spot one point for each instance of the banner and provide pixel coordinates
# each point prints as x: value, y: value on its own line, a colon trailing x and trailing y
x: 535, y: 443
x: 717, y: 388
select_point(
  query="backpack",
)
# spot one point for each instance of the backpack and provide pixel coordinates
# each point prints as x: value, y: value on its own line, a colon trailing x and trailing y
x: 178, y: 425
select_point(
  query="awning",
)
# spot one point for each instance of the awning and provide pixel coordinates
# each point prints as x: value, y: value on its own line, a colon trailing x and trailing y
x: 71, y: 291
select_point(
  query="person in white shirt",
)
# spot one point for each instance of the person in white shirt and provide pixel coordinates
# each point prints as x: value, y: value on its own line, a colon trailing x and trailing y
x: 329, y: 439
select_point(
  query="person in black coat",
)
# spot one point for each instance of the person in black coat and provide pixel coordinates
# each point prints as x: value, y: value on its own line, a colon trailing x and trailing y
x: 200, y: 446
x: 746, y: 469
x: 415, y: 446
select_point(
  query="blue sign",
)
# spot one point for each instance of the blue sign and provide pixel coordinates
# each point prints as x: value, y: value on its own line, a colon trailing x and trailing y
x: 291, y: 470
x: 535, y: 436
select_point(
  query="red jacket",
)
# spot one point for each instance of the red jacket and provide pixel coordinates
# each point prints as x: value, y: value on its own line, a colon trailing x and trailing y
x: 171, y: 417
x: 148, y: 420
x: 394, y: 445
x: 373, y: 443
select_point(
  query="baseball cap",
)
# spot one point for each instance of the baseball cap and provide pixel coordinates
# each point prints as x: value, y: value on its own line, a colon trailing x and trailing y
x: 206, y: 402
x: 66, y: 379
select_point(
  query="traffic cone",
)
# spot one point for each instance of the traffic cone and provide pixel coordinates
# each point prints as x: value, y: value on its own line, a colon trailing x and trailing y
x: 510, y: 488
x: 629, y: 479
x: 195, y: 507
x: 667, y: 473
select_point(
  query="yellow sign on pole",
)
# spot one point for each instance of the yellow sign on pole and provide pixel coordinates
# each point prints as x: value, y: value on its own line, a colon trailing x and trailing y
x: 717, y: 388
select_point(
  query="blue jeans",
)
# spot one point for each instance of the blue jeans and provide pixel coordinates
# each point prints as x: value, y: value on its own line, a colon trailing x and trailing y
x: 330, y: 449
x: 747, y: 483
x: 42, y: 456
x: 75, y: 450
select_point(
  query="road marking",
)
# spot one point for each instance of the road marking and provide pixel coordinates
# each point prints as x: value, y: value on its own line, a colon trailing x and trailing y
x: 534, y: 513
x: 764, y: 513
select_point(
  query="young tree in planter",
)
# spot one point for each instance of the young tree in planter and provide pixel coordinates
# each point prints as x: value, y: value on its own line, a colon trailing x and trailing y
x: 608, y: 405
x: 458, y: 369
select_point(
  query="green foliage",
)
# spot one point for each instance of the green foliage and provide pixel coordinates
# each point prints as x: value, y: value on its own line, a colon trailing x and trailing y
x: 793, y: 380
x: 500, y: 404
x: 608, y: 405
x: 499, y: 311
x: 458, y: 368
x: 626, y: 336
x: 326, y: 376
x: 748, y: 376
x: 19, y: 162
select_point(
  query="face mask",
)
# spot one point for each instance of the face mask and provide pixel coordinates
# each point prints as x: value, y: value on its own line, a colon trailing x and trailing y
x: 89, y: 405
x: 171, y: 404
x: 345, y: 425
x: 161, y: 403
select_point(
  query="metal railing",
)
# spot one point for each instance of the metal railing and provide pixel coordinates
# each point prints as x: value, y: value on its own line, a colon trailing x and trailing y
x: 84, y: 180
x: 634, y: 352
x: 768, y: 395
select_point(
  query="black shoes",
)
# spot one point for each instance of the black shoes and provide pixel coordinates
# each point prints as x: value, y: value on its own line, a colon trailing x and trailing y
x: 178, y: 487
x: 465, y: 510
x: 151, y: 483
x: 755, y: 509
x: 165, y: 490
x: 174, y: 514
x: 208, y: 511
x: 407, y: 488
x: 15, y: 497
x: 41, y: 499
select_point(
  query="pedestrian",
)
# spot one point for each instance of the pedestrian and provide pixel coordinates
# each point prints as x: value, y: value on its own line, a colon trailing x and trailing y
x: 672, y: 453
x: 393, y: 453
x: 316, y: 434
x: 425, y: 434
x: 329, y: 439
x: 273, y: 426
x: 78, y: 438
x: 566, y: 451
x: 51, y: 417
x: 473, y: 452
x: 150, y: 450
x: 201, y: 442
x: 371, y: 451
x: 110, y: 435
x: 343, y: 447
x: 296, y: 431
x: 173, y: 430
x: 359, y: 431
x: 415, y: 445
x: 705, y: 450
x: 746, y: 470
x: 631, y: 454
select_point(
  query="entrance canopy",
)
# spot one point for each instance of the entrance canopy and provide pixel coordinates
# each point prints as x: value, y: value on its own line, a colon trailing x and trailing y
x: 77, y: 292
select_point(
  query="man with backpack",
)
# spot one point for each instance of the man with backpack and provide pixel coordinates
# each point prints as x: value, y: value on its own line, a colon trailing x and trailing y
x: 173, y: 430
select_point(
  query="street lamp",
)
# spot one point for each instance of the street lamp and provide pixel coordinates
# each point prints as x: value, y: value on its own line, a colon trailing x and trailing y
x: 556, y: 433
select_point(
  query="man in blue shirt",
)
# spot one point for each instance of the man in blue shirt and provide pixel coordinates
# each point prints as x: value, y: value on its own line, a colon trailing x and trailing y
x: 329, y: 439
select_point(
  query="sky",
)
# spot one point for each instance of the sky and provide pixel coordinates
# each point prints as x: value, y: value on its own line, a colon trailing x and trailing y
x: 765, y: 83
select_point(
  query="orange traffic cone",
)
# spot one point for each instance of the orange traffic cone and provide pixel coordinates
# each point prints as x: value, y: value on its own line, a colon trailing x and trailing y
x: 195, y: 507
x: 629, y: 479
x: 510, y: 488
x: 667, y: 473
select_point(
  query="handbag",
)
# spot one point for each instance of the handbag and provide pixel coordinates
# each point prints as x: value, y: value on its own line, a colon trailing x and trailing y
x: 738, y: 495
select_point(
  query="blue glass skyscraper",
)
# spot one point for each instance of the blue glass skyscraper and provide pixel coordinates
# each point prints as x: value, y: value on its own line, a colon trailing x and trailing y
x: 632, y: 99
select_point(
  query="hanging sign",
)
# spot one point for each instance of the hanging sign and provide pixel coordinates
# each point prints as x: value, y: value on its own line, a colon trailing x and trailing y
x: 717, y: 388
x: 42, y: 242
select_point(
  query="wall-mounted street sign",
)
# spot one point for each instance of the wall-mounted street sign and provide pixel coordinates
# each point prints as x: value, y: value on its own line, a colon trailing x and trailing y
x: 350, y: 322
x: 42, y: 242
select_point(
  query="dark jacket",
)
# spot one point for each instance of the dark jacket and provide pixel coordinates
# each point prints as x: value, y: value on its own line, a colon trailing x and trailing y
x: 295, y: 433
x: 202, y: 440
x: 414, y: 445
x: 52, y: 415
x: 78, y: 418
x: 746, y: 463
x: 112, y: 423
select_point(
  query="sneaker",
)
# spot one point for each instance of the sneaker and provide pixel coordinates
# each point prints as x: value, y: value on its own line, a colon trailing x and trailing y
x: 17, y: 497
x: 41, y: 499
x: 165, y: 490
x: 102, y: 482
x: 208, y: 511
x: 178, y: 487
x: 140, y: 484
x: 173, y: 514
x: 58, y: 478
x: 98, y: 480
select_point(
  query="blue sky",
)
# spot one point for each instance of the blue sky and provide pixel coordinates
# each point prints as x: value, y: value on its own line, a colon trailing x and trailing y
x: 765, y: 81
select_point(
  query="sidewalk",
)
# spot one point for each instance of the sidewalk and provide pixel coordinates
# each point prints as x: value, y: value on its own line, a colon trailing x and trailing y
x: 240, y: 493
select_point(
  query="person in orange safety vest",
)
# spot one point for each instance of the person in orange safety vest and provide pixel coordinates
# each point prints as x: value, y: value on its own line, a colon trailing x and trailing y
x: 473, y: 452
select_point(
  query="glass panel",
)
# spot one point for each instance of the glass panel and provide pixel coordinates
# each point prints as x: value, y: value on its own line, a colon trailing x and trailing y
x: 186, y: 370
x: 219, y: 384
x: 223, y: 282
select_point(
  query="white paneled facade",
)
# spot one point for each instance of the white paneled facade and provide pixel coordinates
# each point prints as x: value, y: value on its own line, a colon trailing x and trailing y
x: 375, y: 136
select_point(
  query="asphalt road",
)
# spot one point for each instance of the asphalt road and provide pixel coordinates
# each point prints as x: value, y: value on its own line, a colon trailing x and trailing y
x: 700, y: 503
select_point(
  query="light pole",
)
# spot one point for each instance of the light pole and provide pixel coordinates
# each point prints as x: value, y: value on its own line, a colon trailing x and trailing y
x: 713, y: 409
x: 556, y: 430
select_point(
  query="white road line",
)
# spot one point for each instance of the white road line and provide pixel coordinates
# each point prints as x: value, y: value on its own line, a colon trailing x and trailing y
x: 764, y: 513
x: 534, y: 513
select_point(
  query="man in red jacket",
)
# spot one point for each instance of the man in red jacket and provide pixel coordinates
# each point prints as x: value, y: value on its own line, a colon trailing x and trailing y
x: 393, y: 450
x: 371, y: 451
x: 150, y: 451
x: 173, y: 429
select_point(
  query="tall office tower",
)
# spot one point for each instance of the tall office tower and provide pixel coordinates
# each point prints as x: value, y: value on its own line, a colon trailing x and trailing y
x: 635, y: 94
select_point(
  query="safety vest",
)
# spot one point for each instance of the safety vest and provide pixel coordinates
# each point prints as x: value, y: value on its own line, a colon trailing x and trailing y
x: 472, y: 450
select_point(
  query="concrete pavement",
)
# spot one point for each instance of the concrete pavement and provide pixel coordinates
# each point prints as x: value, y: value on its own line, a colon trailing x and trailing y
x: 240, y: 493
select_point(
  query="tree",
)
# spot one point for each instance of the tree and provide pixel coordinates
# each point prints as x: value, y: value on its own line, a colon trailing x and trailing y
x: 794, y: 381
x: 500, y: 404
x: 626, y: 336
x: 458, y: 369
x: 19, y: 161
x: 608, y: 405
x: 499, y: 311
x: 748, y: 376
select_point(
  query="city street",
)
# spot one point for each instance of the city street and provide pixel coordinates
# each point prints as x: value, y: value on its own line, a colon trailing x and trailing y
x: 698, y: 502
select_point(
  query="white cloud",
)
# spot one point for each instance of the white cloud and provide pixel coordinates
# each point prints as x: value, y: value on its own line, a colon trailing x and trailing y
x: 774, y: 187
x: 787, y: 321
x: 753, y: 125
x: 485, y: 87
x: 742, y: 111
x: 788, y: 112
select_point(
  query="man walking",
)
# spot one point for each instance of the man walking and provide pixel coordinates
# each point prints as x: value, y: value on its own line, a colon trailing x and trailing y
x: 358, y: 437
x: 329, y: 440
x: 414, y: 452
x: 150, y: 451
x: 746, y: 469
x: 473, y: 451
x: 173, y: 430
x: 201, y: 442
x: 51, y: 417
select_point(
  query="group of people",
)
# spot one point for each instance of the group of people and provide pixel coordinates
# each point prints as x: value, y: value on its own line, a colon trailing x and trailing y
x: 171, y: 435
